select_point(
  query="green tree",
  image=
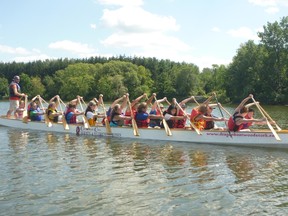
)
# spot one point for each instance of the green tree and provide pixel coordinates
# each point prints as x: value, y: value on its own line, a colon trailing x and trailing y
x: 76, y: 79
x: 37, y: 87
x: 275, y: 70
x: 3, y: 86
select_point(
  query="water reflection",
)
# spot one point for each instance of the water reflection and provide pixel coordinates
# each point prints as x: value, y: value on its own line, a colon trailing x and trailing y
x: 46, y: 173
x: 18, y: 140
x: 241, y: 166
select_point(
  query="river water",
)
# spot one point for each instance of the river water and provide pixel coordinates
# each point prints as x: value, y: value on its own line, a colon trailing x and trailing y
x: 58, y: 174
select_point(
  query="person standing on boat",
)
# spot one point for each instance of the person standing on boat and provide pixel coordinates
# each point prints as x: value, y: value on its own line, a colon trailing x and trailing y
x: 14, y: 96
x: 238, y: 120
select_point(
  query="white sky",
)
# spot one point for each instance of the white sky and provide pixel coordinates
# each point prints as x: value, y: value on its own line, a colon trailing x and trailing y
x: 203, y: 32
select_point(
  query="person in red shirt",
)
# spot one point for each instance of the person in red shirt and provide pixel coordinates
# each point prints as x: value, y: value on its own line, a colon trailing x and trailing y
x: 238, y: 119
x: 14, y: 96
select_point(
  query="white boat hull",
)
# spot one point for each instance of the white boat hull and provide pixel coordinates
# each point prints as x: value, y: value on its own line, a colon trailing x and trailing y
x: 260, y: 138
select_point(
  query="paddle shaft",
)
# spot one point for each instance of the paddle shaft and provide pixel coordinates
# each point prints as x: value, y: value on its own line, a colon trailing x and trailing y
x: 222, y: 115
x: 134, y: 124
x: 268, y: 123
x: 191, y: 123
x: 166, y: 126
x: 107, y: 123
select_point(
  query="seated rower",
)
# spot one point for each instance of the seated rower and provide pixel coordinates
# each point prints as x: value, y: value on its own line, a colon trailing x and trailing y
x: 157, y: 109
x: 199, y: 116
x: 238, y: 119
x: 117, y: 117
x: 90, y: 113
x: 170, y: 115
x: 142, y: 117
x: 34, y: 112
x: 72, y: 113
x: 52, y: 112
x: 20, y: 109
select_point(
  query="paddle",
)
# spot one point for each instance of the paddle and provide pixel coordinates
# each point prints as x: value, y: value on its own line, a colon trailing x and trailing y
x: 225, y: 110
x: 191, y: 123
x: 64, y: 122
x: 46, y: 119
x: 195, y: 100
x: 222, y: 114
x: 25, y: 112
x: 84, y: 118
x: 278, y: 128
x: 268, y: 123
x: 106, y: 121
x: 165, y: 124
x: 134, y: 124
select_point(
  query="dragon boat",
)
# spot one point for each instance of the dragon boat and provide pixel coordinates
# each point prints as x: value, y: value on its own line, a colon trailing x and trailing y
x: 255, y: 138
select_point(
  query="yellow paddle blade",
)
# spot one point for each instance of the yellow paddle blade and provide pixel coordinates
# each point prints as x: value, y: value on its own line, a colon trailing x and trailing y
x: 25, y: 119
x: 107, y: 125
x: 167, y: 129
x: 65, y: 125
x: 135, y: 128
x: 85, y: 121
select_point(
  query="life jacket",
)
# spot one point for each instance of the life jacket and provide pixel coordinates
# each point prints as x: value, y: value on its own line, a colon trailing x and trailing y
x: 91, y: 121
x: 155, y: 122
x: 181, y: 122
x: 171, y: 123
x: 198, y: 123
x: 108, y: 115
x: 52, y: 111
x: 142, y: 120
x: 128, y: 113
x: 209, y: 124
x: 34, y: 116
x: 247, y: 124
x: 12, y: 96
x: 70, y: 117
x: 114, y: 123
x: 231, y: 123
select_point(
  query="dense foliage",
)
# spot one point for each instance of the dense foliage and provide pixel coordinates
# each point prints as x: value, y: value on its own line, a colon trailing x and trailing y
x: 260, y: 69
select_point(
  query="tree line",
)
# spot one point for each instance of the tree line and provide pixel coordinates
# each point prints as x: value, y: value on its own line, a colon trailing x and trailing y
x: 260, y: 69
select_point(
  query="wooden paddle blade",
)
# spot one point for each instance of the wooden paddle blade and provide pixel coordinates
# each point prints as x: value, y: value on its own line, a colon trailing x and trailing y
x: 167, y: 129
x: 135, y: 128
x: 266, y: 114
x: 85, y: 122
x: 25, y: 119
x: 268, y: 123
x: 65, y: 125
x: 195, y: 128
x: 273, y: 131
x: 107, y: 125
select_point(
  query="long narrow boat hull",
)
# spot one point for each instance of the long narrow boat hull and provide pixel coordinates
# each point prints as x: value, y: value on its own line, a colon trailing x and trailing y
x: 260, y: 138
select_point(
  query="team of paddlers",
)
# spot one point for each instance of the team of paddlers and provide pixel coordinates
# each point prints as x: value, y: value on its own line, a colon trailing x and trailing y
x: 123, y: 112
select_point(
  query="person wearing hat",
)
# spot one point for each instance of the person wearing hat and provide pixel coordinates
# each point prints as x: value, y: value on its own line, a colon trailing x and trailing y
x: 14, y: 96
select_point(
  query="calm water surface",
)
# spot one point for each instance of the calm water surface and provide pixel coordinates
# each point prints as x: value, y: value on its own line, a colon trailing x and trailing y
x: 58, y: 174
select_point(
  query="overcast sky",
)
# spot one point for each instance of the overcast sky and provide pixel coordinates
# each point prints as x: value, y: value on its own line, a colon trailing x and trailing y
x: 203, y: 32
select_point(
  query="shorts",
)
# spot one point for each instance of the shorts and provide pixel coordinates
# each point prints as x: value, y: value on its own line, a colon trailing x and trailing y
x: 14, y: 104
